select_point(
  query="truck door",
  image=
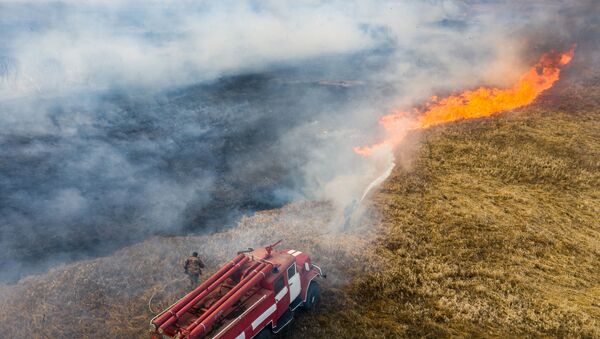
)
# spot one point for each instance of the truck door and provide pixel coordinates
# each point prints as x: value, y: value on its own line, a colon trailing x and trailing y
x: 293, y: 282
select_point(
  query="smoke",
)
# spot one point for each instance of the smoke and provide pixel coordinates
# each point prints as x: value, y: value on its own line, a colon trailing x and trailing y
x: 119, y: 120
x: 62, y: 47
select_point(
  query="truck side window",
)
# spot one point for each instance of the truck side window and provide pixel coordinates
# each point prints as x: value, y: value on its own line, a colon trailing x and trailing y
x: 291, y: 271
x: 278, y: 284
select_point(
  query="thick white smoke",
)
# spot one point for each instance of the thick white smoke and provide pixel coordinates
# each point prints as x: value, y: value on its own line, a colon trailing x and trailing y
x: 121, y: 119
x: 55, y: 48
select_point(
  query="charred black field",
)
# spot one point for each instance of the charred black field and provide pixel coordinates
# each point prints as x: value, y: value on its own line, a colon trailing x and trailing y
x: 192, y: 160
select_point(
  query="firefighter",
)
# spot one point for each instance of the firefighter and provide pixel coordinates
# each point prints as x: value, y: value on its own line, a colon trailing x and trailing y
x: 193, y: 268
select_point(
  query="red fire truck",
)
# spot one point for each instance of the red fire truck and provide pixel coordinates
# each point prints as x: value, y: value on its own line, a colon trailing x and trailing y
x: 252, y: 296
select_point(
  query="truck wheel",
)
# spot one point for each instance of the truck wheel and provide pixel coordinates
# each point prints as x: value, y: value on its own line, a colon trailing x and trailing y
x: 312, y: 297
x: 266, y: 333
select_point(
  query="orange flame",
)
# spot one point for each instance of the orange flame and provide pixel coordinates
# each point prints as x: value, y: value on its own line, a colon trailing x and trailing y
x: 478, y: 103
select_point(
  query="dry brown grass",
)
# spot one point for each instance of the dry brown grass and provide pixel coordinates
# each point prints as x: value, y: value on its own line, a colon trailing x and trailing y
x: 493, y: 231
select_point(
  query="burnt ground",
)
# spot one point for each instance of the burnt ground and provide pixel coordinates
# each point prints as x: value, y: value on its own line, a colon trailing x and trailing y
x: 100, y: 174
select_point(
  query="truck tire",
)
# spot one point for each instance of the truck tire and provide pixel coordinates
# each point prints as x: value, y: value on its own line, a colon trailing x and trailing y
x: 312, y: 296
x: 266, y: 333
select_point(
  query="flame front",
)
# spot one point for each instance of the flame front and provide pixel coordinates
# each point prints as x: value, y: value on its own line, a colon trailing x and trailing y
x: 478, y: 103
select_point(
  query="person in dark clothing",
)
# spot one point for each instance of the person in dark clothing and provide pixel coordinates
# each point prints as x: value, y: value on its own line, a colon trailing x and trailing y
x: 193, y: 268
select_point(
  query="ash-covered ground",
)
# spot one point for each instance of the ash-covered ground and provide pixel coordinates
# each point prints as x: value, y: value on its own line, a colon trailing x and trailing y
x: 104, y: 172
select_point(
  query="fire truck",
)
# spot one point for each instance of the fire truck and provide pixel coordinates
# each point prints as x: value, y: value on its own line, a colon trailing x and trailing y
x: 253, y: 296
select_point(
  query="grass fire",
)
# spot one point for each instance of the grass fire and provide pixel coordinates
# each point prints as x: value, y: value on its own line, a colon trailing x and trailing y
x: 478, y: 103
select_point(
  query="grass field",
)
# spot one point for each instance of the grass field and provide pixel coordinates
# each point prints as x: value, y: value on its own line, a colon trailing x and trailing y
x: 493, y: 229
x: 488, y: 228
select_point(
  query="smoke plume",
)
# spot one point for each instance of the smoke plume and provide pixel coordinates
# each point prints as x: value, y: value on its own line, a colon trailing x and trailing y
x: 120, y: 120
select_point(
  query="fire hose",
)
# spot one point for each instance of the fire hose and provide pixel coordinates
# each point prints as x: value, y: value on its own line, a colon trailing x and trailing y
x: 161, y: 290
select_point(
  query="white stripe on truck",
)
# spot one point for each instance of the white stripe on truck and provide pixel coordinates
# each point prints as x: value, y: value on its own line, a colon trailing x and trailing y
x: 281, y: 294
x: 263, y: 316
